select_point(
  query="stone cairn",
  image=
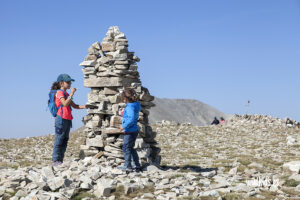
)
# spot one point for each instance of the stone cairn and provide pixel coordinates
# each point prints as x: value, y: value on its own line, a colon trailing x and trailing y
x: 108, y: 69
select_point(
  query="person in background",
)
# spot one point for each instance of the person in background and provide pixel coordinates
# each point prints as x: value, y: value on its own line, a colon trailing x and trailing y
x: 222, y: 120
x: 215, y: 122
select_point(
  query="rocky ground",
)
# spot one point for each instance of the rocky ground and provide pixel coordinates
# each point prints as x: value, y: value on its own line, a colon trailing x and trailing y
x: 250, y: 157
x: 35, y: 151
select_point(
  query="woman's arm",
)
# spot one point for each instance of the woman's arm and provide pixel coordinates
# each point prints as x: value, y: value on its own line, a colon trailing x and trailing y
x: 77, y: 106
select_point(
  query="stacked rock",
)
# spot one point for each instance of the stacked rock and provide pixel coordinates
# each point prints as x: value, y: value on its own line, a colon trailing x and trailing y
x: 108, y: 69
x: 262, y: 119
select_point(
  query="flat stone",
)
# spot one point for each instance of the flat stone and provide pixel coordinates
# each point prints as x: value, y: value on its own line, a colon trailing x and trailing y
x: 152, y: 168
x: 108, y: 46
x: 120, y: 36
x: 223, y: 190
x: 241, y: 187
x: 209, y: 174
x: 121, y: 62
x: 115, y: 121
x: 99, y: 155
x: 93, y: 123
x: 95, y: 142
x: 86, y: 153
x: 109, y: 91
x: 121, y: 67
x: 171, y: 195
x: 108, y: 82
x: 111, y: 131
x: 148, y: 195
x: 113, y: 150
x: 118, y: 155
x: 121, y: 40
x: 91, y: 57
x: 210, y: 193
x: 88, y: 63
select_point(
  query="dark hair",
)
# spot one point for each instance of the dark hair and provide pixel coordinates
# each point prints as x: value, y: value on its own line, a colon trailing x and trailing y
x: 130, y: 95
x: 55, y: 86
x: 222, y: 118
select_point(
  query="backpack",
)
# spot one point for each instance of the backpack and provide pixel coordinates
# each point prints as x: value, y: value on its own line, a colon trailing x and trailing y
x: 52, y: 106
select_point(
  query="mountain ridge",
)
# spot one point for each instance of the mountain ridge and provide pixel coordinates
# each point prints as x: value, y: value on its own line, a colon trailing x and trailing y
x: 184, y: 110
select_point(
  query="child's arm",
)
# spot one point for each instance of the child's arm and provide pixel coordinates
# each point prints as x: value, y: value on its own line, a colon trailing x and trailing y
x: 129, y: 120
x: 77, y: 106
x: 66, y: 102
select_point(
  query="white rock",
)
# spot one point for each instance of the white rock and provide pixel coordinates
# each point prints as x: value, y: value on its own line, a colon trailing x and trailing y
x: 210, y: 193
x: 56, y: 183
x: 233, y: 171
x: 293, y: 166
x: 103, y: 188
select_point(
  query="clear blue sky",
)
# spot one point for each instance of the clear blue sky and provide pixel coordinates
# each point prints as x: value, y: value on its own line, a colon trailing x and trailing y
x: 219, y: 52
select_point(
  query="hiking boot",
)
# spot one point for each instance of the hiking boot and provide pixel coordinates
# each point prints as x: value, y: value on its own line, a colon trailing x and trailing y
x: 56, y: 163
x: 134, y: 166
x: 125, y: 169
x: 137, y: 169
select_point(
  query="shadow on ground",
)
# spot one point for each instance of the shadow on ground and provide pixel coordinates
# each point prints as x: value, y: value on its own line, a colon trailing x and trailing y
x: 187, y: 168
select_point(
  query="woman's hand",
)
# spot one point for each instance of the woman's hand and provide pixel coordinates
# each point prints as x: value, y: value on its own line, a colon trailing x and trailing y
x: 73, y: 90
x: 121, y: 128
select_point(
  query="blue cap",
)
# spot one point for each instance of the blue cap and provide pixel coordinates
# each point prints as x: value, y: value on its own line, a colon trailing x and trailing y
x: 64, y: 77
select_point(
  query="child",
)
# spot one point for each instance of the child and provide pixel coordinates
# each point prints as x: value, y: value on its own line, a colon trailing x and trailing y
x: 130, y: 128
x: 63, y: 120
x: 222, y: 120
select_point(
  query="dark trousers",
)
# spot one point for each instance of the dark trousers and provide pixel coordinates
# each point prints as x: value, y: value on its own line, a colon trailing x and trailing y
x: 62, y: 131
x: 129, y: 151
